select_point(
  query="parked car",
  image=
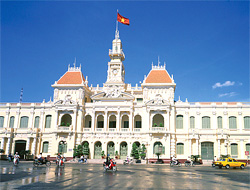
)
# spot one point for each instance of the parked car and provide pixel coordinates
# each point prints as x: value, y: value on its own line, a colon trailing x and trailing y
x: 229, y: 162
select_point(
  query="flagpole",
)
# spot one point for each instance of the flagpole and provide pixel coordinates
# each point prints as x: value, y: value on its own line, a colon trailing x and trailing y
x: 116, y: 31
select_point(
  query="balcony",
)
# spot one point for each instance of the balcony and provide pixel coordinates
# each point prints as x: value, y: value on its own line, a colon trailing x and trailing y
x: 137, y: 130
x: 100, y: 129
x: 64, y: 129
x: 86, y: 129
x: 125, y: 129
x: 112, y: 129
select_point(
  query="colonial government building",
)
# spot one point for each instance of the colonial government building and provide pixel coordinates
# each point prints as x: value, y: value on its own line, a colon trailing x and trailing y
x: 112, y: 117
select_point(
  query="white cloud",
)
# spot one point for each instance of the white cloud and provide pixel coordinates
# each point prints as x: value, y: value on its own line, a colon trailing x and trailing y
x: 219, y: 85
x: 230, y: 94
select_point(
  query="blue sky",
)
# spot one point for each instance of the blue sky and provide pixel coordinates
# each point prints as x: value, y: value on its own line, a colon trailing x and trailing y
x: 205, y: 45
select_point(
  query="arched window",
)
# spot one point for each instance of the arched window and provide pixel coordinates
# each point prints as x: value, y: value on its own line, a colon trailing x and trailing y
x: 112, y: 121
x: 234, y: 149
x: 48, y: 121
x: 232, y: 122
x: 125, y: 121
x: 62, y: 147
x: 1, y: 121
x: 66, y: 120
x: 100, y: 121
x: 137, y: 121
x: 219, y: 122
x: 206, y: 122
x: 45, y: 147
x: 248, y: 147
x: 24, y: 122
x: 179, y: 122
x: 247, y: 122
x: 158, y: 148
x: 36, y: 124
x: 180, y: 148
x: 12, y: 120
x: 192, y: 122
x: 158, y: 120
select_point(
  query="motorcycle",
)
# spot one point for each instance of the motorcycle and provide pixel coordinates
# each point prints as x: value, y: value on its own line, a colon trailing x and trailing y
x: 60, y: 162
x: 111, y: 166
x: 36, y: 162
x: 189, y: 163
x: 15, y: 161
x: 126, y: 162
x: 177, y: 163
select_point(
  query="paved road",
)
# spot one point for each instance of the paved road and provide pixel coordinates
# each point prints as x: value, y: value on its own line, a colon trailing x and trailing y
x: 91, y: 176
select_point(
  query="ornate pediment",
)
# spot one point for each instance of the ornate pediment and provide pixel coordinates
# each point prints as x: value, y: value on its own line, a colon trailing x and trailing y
x: 112, y: 94
x: 67, y: 101
x: 158, y: 100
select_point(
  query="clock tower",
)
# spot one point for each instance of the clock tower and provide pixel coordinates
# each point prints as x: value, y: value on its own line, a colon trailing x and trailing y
x: 116, y: 72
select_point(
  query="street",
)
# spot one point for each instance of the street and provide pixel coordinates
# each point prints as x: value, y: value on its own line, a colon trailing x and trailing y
x: 91, y: 176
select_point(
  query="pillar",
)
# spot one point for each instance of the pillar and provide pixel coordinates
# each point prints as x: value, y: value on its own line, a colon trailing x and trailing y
x: 197, y: 146
x: 93, y: 121
x: 17, y: 119
x: 34, y: 146
x: 8, y: 146
x: 190, y: 147
x: 6, y: 119
x: 130, y: 121
x: 105, y: 120
x: 226, y: 147
x: 118, y: 121
x: 2, y: 143
x: 172, y: 145
x: 28, y: 144
x: 56, y: 119
x: 219, y: 148
x: 31, y: 119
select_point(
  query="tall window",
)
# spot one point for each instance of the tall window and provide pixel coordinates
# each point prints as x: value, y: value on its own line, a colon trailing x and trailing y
x: 179, y: 122
x: 206, y: 122
x: 48, y: 121
x: 180, y: 148
x: 45, y: 147
x: 36, y: 125
x: 232, y: 122
x: 248, y: 147
x: 234, y: 149
x: 247, y: 122
x: 12, y: 120
x: 24, y: 122
x: 219, y: 122
x: 192, y: 122
x: 1, y: 121
x: 138, y: 124
x: 126, y: 124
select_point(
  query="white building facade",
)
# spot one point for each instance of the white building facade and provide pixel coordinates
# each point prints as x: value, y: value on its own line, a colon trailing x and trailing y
x: 113, y: 117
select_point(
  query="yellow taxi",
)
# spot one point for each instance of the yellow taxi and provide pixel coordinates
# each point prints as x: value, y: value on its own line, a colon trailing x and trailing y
x: 229, y: 162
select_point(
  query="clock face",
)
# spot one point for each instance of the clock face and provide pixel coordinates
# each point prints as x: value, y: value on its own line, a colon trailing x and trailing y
x: 115, y: 71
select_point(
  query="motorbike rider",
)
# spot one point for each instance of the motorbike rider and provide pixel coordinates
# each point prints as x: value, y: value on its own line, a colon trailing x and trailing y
x: 108, y: 161
x: 10, y: 157
x: 17, y: 157
x: 58, y: 157
x: 190, y: 160
x: 174, y: 159
x: 82, y: 158
x: 39, y: 157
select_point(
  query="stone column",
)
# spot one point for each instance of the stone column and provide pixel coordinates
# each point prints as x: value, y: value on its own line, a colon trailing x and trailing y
x: 17, y: 119
x: 28, y: 144
x: 2, y: 143
x: 219, y: 148
x: 226, y: 147
x: 91, y: 150
x: 31, y: 119
x: 93, y: 121
x: 56, y: 119
x: 242, y: 152
x: 8, y: 146
x: 225, y: 121
x: 240, y: 122
x: 105, y: 121
x: 6, y: 119
x: 74, y: 120
x: 190, y: 147
x: 197, y: 146
x: 41, y: 120
x: 167, y: 124
x: 34, y: 146
x: 172, y: 145
x: 118, y: 121
x: 130, y: 122
x: 186, y: 123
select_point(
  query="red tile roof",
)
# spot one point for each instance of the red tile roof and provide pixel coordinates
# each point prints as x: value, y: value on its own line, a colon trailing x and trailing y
x: 158, y: 76
x: 71, y: 77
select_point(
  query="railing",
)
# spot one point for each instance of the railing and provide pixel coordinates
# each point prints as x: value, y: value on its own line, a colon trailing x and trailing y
x: 137, y: 130
x: 87, y: 129
x: 64, y: 128
x: 120, y: 53
x: 99, y: 129
x: 124, y: 129
x: 157, y: 129
x: 112, y: 129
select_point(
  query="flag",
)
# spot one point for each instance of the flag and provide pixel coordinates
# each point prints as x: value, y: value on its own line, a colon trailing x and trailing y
x: 122, y: 19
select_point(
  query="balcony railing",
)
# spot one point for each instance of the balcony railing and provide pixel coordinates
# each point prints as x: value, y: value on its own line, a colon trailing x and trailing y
x: 87, y: 129
x: 65, y: 128
x: 99, y: 129
x: 137, y: 130
x: 124, y: 129
x: 112, y: 129
x: 157, y: 129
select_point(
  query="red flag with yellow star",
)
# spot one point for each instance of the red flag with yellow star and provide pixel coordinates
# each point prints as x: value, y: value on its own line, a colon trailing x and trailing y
x: 122, y: 19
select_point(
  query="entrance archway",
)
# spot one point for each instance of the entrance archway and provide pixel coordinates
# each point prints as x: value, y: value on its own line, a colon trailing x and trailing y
x: 98, y: 150
x: 207, y: 150
x: 20, y: 145
x: 123, y: 150
x: 111, y: 149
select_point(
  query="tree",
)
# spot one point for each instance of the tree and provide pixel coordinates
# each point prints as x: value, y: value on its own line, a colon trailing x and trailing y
x: 135, y: 151
x: 78, y: 151
x: 143, y: 151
